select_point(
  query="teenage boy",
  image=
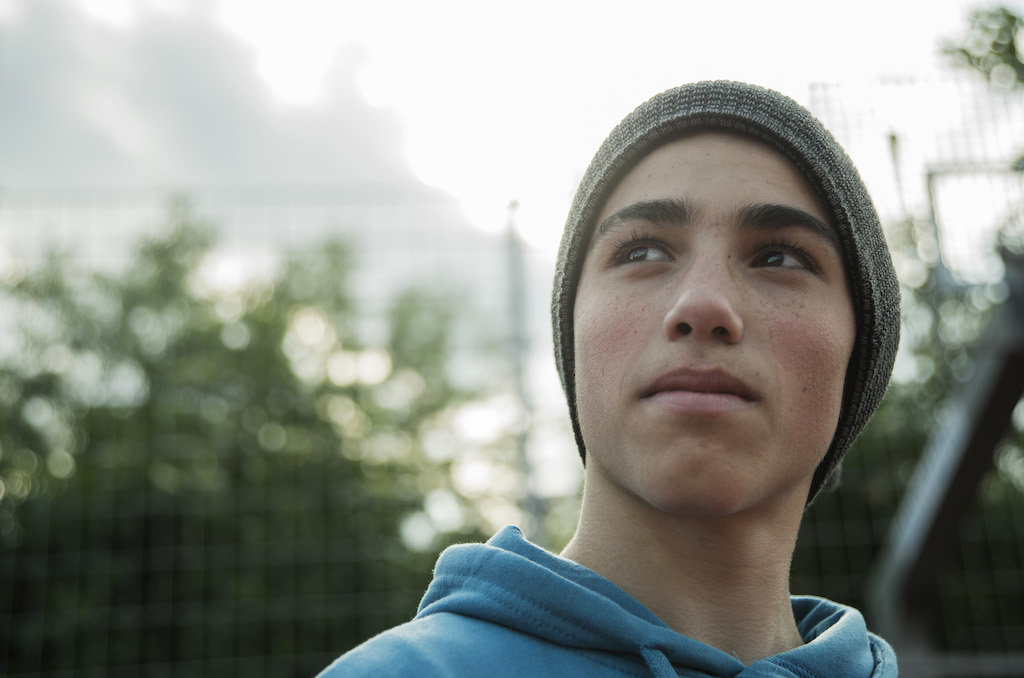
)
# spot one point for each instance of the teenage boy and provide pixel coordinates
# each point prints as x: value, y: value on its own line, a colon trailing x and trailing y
x: 726, y: 317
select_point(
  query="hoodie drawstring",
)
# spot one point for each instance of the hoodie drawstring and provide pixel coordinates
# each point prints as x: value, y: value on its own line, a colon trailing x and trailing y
x: 658, y: 663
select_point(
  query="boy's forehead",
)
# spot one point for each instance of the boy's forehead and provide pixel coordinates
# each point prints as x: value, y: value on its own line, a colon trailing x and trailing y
x: 673, y: 167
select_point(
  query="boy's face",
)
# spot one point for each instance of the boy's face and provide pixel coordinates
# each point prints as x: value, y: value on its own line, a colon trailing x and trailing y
x: 713, y: 327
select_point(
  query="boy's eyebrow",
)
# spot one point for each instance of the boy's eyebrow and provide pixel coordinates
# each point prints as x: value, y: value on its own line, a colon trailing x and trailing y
x: 679, y: 212
x: 661, y: 212
x: 770, y: 216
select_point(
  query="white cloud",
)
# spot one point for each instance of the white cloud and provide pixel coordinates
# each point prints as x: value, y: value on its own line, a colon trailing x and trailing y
x: 115, y: 13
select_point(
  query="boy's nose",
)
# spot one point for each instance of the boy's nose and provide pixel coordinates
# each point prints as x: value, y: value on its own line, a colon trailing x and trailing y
x: 704, y: 309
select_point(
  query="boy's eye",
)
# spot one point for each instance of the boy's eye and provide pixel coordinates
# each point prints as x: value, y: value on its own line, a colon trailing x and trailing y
x: 645, y: 254
x: 641, y: 253
x: 789, y: 257
x: 780, y: 259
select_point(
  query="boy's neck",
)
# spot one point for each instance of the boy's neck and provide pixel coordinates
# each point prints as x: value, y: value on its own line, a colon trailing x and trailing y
x: 723, y: 580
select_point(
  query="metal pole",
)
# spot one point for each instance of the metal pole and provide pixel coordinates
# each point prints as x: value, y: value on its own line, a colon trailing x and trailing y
x: 519, y: 350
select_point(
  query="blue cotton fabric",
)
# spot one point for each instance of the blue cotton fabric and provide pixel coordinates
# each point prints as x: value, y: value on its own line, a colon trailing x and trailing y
x: 508, y: 608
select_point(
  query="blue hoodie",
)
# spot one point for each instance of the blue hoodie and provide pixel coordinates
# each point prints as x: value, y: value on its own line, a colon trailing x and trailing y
x: 509, y: 608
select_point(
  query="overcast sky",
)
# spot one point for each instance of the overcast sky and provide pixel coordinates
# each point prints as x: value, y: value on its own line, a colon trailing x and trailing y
x: 488, y: 101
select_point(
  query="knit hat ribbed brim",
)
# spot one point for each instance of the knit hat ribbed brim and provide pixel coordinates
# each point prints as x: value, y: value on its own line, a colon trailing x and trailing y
x: 788, y: 127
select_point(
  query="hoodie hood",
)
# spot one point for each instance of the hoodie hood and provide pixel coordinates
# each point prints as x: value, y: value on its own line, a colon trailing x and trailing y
x: 525, y: 591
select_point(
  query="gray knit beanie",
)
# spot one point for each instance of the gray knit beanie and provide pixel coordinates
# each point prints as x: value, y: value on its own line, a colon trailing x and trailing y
x: 788, y: 127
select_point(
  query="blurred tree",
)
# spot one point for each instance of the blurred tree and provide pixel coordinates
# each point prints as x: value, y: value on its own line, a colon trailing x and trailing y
x: 214, y: 481
x: 994, y: 45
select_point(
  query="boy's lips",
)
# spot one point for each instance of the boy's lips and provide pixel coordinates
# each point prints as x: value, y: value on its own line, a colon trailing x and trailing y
x: 699, y: 389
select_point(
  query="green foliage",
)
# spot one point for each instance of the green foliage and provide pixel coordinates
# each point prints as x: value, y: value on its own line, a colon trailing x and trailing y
x: 993, y: 45
x: 211, y: 480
